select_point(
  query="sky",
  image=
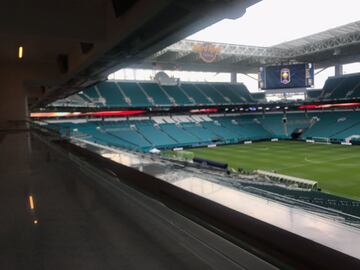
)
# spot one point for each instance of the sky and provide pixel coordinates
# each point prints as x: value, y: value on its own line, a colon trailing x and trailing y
x: 271, y: 22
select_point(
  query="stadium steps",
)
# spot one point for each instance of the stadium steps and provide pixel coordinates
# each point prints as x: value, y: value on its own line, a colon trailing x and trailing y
x: 169, y: 135
x: 112, y: 94
x: 341, y: 87
x: 235, y: 128
x: 354, y: 93
x: 84, y: 97
x: 78, y: 100
x: 330, y: 87
x: 110, y: 139
x: 88, y: 100
x: 92, y: 93
x: 188, y: 96
x: 98, y: 92
x: 204, y: 135
x: 204, y: 94
x: 241, y: 90
x: 218, y: 135
x: 255, y: 131
x: 132, y: 91
x: 196, y: 94
x: 176, y: 94
x: 179, y: 134
x: 131, y: 137
x: 171, y: 98
x: 245, y: 92
x: 225, y: 97
x: 296, y: 121
x: 156, y: 93
x: 144, y: 137
x: 150, y: 99
x: 233, y: 95
x: 344, y: 88
x: 212, y: 93
x: 126, y: 97
x: 185, y: 129
x: 328, y: 121
x: 275, y: 125
x: 155, y: 135
x: 272, y: 124
x: 220, y: 131
x: 345, y: 129
x: 268, y: 129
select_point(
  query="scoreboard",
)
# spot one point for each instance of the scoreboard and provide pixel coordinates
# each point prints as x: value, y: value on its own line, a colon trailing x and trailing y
x: 286, y: 76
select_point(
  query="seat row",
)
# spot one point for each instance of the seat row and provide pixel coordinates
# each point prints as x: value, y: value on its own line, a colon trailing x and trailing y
x: 151, y: 94
x: 182, y: 131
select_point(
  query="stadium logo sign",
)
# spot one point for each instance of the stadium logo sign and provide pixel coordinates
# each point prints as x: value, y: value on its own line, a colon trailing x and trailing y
x: 285, y: 76
x: 207, y: 51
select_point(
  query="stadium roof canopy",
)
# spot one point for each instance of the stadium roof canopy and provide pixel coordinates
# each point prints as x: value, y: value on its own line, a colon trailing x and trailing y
x: 94, y: 39
x: 337, y: 45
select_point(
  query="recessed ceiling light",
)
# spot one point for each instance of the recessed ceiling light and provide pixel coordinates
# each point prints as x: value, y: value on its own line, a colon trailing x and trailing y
x: 21, y: 52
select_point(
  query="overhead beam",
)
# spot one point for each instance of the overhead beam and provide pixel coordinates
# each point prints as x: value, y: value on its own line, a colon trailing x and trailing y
x: 228, y: 49
x: 143, y: 35
x: 328, y: 44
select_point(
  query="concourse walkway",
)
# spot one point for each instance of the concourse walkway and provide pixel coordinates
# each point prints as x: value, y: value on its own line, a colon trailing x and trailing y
x: 53, y: 217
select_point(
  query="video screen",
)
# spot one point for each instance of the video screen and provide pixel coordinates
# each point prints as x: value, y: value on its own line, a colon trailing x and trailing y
x: 286, y: 76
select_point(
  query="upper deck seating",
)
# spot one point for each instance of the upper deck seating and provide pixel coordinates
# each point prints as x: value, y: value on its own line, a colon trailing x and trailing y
x: 136, y: 95
x: 112, y: 95
x: 156, y: 93
x: 177, y: 94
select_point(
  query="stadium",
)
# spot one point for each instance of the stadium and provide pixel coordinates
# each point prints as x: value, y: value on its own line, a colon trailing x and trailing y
x: 224, y: 126
x: 196, y: 152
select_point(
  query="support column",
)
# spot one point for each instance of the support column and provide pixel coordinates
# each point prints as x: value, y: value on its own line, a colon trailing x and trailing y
x: 15, y: 93
x: 339, y: 70
x: 233, y: 77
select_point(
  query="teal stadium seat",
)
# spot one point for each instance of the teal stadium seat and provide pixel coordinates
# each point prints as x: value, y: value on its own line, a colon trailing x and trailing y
x: 157, y: 94
x: 177, y: 94
x: 230, y: 94
x: 314, y: 94
x: 341, y: 87
x: 136, y: 95
x: 156, y: 136
x: 112, y: 94
x: 241, y: 90
x: 179, y: 135
x: 211, y: 92
x: 147, y: 94
x: 220, y: 131
x: 145, y: 134
x: 92, y: 93
x: 204, y: 135
x: 131, y: 137
x: 199, y: 97
x: 84, y: 97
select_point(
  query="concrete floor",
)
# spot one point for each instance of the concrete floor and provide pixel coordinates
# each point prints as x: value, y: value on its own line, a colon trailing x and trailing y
x: 78, y: 227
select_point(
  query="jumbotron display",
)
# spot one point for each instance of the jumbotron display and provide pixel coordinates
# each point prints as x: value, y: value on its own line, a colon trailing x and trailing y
x: 286, y: 76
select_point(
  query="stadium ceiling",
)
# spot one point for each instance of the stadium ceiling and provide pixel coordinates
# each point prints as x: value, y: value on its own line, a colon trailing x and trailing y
x: 78, y: 43
x: 334, y: 46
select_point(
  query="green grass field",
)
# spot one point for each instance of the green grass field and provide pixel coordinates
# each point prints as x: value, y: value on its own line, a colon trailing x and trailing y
x: 335, y: 167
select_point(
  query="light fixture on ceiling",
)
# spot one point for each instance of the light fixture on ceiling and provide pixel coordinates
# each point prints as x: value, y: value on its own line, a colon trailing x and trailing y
x: 31, y: 202
x: 21, y: 52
